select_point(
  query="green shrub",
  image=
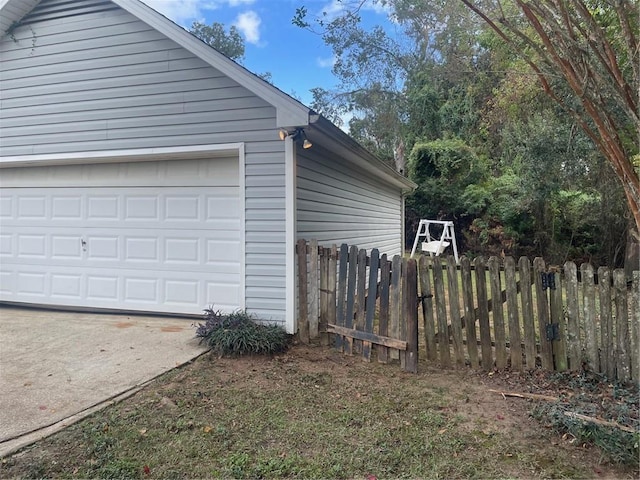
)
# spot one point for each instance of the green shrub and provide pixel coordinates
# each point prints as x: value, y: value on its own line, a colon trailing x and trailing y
x: 238, y: 333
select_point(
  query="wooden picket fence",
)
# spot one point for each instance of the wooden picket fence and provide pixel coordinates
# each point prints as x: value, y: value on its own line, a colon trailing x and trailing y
x: 365, y: 302
x: 485, y: 313
x: 498, y: 314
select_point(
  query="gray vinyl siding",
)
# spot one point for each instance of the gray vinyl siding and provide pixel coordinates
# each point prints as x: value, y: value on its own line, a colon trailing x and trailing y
x: 337, y: 203
x: 92, y: 78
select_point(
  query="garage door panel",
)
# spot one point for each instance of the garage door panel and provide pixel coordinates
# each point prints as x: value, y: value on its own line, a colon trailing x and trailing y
x: 150, y: 248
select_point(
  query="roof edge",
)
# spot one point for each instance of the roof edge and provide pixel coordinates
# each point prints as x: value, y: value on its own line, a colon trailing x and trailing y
x: 360, y: 155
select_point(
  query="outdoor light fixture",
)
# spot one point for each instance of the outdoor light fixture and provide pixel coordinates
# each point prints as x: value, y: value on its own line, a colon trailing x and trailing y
x: 297, y: 135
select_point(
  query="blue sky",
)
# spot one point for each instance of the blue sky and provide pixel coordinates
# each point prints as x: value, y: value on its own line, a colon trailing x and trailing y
x: 297, y: 59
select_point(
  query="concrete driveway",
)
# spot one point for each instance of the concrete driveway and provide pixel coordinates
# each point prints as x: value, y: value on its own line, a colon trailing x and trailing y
x: 58, y: 367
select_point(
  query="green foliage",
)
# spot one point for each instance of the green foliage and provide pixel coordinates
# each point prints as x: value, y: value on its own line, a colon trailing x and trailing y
x: 238, y: 334
x: 215, y: 35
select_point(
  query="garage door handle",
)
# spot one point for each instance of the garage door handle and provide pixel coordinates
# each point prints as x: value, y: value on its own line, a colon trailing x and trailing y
x: 84, y: 244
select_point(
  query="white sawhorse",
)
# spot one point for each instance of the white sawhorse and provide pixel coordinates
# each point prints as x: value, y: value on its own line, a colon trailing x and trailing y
x: 432, y: 245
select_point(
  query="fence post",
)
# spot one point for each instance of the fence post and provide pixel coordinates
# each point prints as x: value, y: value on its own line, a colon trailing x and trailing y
x: 332, y: 268
x: 411, y: 315
x: 314, y: 288
x: 303, y: 316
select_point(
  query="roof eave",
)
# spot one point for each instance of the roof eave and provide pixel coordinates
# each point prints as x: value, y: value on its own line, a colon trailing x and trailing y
x: 338, y: 141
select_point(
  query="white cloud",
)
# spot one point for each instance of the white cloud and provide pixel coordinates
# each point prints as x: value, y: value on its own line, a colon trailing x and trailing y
x: 327, y: 62
x: 177, y: 10
x: 237, y: 3
x: 249, y: 25
x: 181, y: 11
x: 335, y: 8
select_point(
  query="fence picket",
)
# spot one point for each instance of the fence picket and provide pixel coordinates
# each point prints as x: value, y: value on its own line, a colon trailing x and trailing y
x: 427, y: 308
x: 559, y: 345
x: 483, y: 313
x: 345, y: 297
x: 441, y: 314
x: 454, y: 310
x: 515, y: 342
x: 395, y: 302
x: 324, y: 294
x: 589, y: 306
x: 469, y: 313
x: 331, y: 292
x: 622, y: 326
x: 497, y: 313
x: 370, y: 306
x: 383, y: 327
x: 574, y: 346
x: 607, y: 345
x: 351, y: 297
x: 342, y: 293
x: 528, y: 320
x: 542, y: 304
x: 314, y: 288
x: 361, y: 285
x: 411, y: 316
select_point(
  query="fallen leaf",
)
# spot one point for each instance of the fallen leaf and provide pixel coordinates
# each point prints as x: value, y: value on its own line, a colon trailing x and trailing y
x: 440, y: 432
x: 147, y: 470
x: 207, y: 428
x: 499, y: 417
x: 42, y: 407
x: 143, y: 431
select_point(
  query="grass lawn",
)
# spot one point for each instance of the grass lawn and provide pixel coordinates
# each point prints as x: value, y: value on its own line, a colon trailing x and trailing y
x: 312, y: 413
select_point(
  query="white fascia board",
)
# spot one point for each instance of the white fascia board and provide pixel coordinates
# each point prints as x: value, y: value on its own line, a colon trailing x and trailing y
x: 130, y: 155
x: 290, y: 112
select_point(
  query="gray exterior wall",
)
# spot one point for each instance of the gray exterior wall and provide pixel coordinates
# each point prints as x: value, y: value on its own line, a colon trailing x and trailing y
x: 337, y: 203
x: 95, y: 78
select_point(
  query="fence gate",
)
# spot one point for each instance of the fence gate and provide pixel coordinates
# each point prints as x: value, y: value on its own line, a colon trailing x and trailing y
x: 367, y: 304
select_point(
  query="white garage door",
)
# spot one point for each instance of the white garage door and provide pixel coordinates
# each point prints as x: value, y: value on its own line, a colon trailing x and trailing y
x: 146, y: 236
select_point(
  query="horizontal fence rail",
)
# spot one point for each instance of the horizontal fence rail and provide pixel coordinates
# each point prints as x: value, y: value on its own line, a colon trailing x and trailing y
x: 486, y: 313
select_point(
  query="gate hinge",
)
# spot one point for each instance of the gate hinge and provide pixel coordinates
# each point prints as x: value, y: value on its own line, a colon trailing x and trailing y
x: 548, y: 280
x: 553, y: 332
